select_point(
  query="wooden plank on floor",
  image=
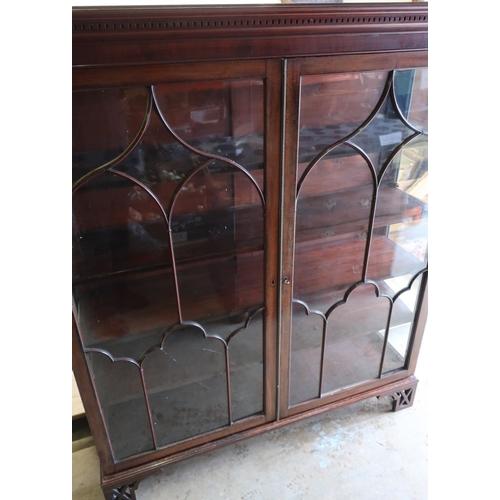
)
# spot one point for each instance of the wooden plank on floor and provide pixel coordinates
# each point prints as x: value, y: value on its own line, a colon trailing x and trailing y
x: 78, y: 410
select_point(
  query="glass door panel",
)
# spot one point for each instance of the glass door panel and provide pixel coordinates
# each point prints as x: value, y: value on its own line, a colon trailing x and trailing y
x: 169, y: 256
x: 360, y: 228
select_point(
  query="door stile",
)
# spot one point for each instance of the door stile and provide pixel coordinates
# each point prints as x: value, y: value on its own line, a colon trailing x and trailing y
x: 289, y: 180
x: 272, y: 189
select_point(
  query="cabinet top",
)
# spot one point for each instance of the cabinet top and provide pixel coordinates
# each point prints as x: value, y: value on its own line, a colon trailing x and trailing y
x: 154, y: 35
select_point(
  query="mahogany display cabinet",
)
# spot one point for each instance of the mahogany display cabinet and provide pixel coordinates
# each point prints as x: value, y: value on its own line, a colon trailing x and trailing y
x: 249, y: 221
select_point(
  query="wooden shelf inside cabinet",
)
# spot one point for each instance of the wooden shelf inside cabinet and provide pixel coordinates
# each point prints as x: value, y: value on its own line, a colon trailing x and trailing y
x: 346, y: 211
x: 214, y: 238
x: 210, y: 292
x: 336, y: 263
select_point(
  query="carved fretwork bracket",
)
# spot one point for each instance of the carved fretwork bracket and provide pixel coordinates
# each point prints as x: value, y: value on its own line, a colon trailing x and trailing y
x: 402, y: 398
x: 126, y: 492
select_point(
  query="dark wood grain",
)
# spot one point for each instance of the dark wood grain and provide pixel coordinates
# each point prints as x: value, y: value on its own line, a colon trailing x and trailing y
x: 188, y: 34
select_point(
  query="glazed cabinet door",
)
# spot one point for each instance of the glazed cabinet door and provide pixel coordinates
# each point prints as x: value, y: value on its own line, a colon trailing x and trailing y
x: 355, y: 224
x: 175, y: 215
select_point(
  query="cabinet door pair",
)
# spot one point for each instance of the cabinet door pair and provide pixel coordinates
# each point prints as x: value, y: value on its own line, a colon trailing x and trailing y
x: 249, y: 238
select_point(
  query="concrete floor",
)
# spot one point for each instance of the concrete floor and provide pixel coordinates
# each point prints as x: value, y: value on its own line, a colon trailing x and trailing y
x: 363, y: 452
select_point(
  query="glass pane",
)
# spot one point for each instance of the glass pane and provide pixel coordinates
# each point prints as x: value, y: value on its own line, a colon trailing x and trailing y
x: 246, y: 358
x: 401, y: 321
x: 220, y: 118
x: 169, y: 247
x: 123, y: 404
x: 401, y: 215
x: 307, y: 338
x: 111, y: 120
x: 411, y: 90
x: 382, y: 135
x: 333, y: 106
x: 122, y: 272
x: 354, y: 344
x: 218, y: 245
x: 160, y: 161
x: 187, y: 386
x: 333, y: 215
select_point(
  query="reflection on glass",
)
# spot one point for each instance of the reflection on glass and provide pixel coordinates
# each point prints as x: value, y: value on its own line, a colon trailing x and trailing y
x: 401, y: 215
x: 400, y: 330
x: 333, y: 106
x: 220, y: 118
x: 172, y: 236
x: 411, y: 90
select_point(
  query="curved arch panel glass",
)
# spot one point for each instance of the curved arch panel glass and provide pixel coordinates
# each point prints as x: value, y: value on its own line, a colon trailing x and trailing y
x: 334, y: 105
x: 123, y: 405
x: 221, y: 118
x: 187, y: 386
x: 111, y: 120
x: 122, y: 280
x: 412, y: 94
x: 333, y: 211
x: 353, y: 346
x: 402, y: 213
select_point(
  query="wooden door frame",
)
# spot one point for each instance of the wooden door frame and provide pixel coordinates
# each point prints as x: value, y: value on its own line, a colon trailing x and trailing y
x: 294, y: 70
x: 270, y: 72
